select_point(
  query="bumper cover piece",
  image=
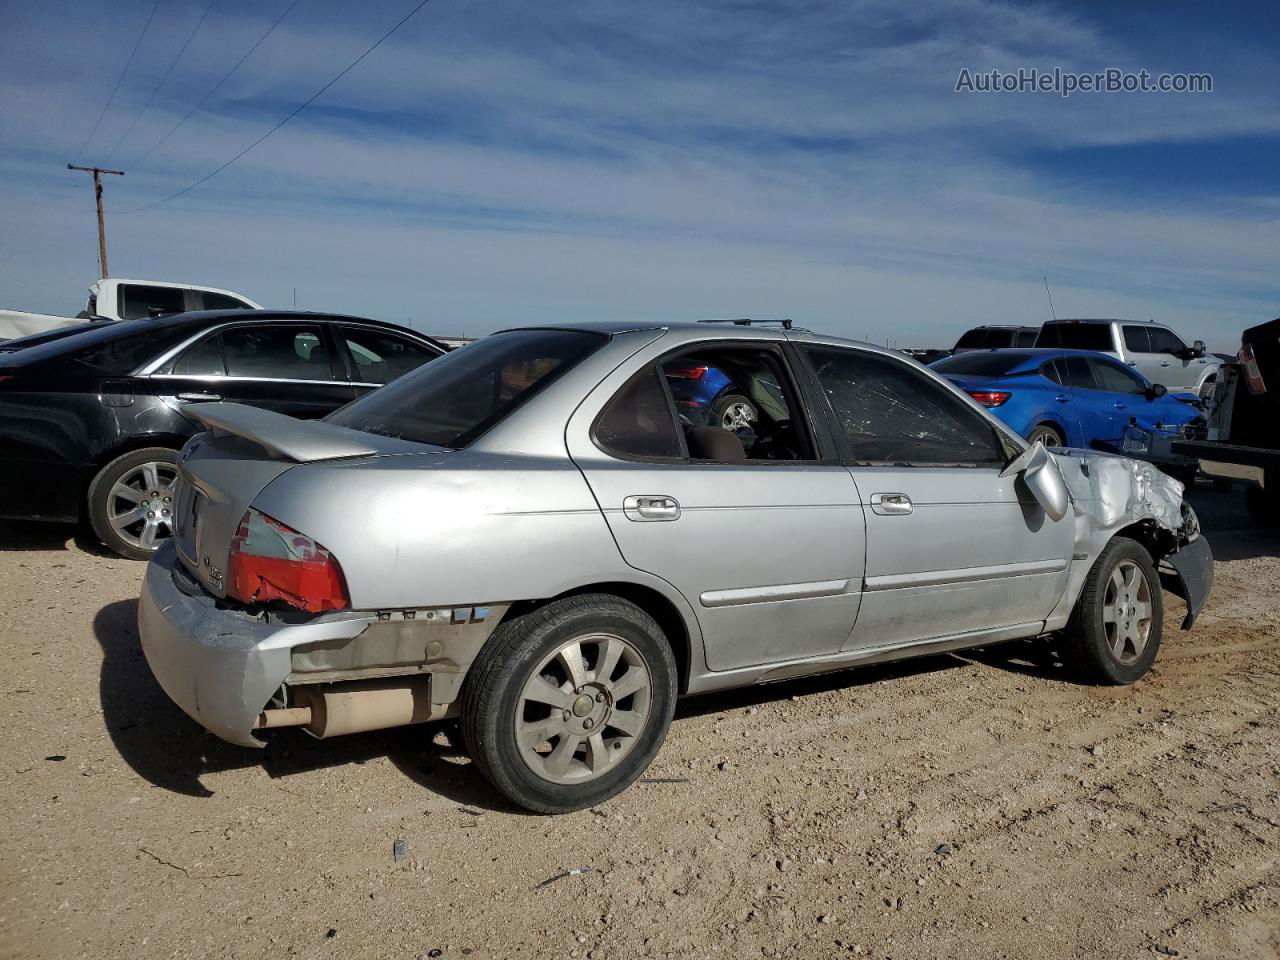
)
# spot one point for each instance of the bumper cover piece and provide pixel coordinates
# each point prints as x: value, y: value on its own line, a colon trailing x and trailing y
x: 1193, y: 577
x: 221, y: 666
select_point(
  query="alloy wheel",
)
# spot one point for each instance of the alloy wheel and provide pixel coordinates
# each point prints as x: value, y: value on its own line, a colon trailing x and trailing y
x: 140, y: 504
x: 738, y: 416
x: 1126, y: 612
x: 583, y: 709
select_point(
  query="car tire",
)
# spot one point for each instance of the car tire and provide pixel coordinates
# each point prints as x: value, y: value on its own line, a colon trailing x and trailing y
x: 734, y: 413
x: 1048, y: 434
x: 108, y: 504
x: 538, y: 718
x: 1207, y: 389
x: 1107, y: 641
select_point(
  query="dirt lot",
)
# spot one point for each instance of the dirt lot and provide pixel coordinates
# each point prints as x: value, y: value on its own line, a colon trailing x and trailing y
x: 977, y: 806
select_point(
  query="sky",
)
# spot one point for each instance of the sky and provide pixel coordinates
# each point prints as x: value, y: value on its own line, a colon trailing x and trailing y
x: 499, y: 164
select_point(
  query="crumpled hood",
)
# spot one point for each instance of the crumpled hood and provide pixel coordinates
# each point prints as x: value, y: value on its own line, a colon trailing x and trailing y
x: 1116, y: 491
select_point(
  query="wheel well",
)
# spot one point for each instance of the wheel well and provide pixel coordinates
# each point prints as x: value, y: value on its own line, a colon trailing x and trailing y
x: 1057, y: 427
x: 1158, y: 541
x: 647, y: 599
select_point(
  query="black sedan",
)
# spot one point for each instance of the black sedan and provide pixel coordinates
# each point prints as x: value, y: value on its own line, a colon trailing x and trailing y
x: 91, y: 423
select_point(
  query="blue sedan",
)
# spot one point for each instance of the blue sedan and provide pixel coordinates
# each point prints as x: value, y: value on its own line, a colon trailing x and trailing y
x: 1075, y: 398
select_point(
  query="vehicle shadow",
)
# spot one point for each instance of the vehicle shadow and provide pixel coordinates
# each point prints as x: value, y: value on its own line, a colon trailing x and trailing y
x: 37, y: 535
x: 170, y: 750
x: 1231, y: 532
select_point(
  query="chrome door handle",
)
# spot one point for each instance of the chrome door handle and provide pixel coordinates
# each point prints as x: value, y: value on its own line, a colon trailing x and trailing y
x: 199, y: 397
x: 891, y: 504
x: 1062, y: 398
x: 651, y: 507
x: 1164, y: 363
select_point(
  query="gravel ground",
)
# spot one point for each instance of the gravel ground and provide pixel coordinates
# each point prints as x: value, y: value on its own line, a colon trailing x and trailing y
x: 961, y: 806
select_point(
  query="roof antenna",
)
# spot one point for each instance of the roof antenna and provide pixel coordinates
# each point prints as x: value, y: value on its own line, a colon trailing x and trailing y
x: 1052, y: 313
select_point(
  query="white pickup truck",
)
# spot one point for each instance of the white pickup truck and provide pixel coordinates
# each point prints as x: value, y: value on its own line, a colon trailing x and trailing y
x: 120, y: 299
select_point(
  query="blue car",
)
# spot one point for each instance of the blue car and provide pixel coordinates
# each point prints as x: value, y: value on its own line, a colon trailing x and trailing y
x: 1077, y: 398
x: 706, y: 396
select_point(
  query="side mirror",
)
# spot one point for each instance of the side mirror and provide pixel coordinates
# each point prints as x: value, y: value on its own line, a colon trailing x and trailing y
x: 1198, y: 349
x: 1156, y: 390
x: 1043, y: 478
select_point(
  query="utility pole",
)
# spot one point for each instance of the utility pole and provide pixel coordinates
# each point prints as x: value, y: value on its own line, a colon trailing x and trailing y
x: 97, y: 192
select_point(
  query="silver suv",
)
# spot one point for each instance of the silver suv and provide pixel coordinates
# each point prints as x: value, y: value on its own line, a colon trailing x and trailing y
x: 1155, y: 351
x: 533, y: 535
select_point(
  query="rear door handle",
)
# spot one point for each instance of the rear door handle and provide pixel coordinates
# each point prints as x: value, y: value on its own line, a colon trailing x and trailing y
x: 1164, y: 363
x: 198, y: 397
x: 651, y: 507
x: 891, y: 504
x: 1062, y: 398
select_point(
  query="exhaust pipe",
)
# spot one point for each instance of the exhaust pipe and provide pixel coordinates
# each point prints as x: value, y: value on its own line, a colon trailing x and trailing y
x: 354, y: 707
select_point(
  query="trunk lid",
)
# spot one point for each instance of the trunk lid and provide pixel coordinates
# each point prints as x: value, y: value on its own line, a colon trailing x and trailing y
x: 221, y: 471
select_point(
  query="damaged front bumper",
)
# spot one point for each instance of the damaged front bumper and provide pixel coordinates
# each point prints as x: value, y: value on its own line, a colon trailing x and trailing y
x: 222, y: 666
x: 1192, y: 577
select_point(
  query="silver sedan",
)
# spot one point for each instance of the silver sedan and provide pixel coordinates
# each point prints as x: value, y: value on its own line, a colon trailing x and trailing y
x: 553, y: 533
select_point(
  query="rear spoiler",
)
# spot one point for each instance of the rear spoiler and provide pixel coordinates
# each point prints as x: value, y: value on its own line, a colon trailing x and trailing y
x: 282, y: 437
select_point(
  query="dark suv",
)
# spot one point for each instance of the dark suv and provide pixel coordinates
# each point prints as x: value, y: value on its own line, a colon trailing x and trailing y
x: 90, y: 424
x: 996, y: 338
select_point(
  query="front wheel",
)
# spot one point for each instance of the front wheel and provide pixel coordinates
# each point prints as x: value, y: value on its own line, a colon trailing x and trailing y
x: 566, y: 705
x: 1114, y: 632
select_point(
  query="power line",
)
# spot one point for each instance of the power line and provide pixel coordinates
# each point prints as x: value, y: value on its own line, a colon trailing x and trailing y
x: 191, y: 36
x: 403, y: 20
x: 214, y: 89
x: 114, y: 90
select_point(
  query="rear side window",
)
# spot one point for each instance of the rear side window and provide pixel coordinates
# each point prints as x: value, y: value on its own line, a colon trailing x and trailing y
x: 381, y: 357
x: 638, y: 422
x: 1075, y: 372
x: 1076, y: 336
x: 276, y: 352
x: 890, y: 413
x: 139, y: 300
x: 972, y: 339
x: 453, y: 400
x: 204, y: 359
x: 1136, y: 339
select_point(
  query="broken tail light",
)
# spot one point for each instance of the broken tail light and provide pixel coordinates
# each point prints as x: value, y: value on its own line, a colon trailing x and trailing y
x: 1252, y: 373
x: 990, y: 398
x: 272, y: 561
x: 686, y: 371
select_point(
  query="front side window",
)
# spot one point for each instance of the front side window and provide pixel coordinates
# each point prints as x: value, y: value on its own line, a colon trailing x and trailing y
x: 1136, y: 339
x: 381, y: 357
x: 1116, y: 379
x: 890, y: 413
x: 276, y: 352
x: 140, y: 300
x: 1166, y: 341
x: 453, y: 400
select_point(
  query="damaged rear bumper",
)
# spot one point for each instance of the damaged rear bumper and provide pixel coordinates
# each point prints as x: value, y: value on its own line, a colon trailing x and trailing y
x: 1192, y: 577
x: 222, y: 666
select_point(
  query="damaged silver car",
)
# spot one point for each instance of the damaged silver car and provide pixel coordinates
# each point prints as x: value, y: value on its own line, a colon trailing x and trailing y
x: 533, y: 535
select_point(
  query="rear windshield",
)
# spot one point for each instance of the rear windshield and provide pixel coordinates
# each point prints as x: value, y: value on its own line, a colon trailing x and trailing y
x: 1076, y: 336
x: 104, y: 349
x: 453, y: 400
x: 995, y: 364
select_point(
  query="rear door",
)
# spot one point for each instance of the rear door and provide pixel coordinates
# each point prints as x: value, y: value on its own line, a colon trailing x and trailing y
x: 760, y: 529
x: 952, y: 547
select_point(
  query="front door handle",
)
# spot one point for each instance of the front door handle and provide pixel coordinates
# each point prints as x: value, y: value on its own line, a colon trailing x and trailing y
x: 1062, y: 398
x: 891, y: 504
x: 199, y: 397
x: 651, y: 507
x: 1164, y: 363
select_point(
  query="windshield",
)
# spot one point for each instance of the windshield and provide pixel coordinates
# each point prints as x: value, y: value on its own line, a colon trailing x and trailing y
x: 994, y: 364
x: 453, y: 400
x: 1076, y: 336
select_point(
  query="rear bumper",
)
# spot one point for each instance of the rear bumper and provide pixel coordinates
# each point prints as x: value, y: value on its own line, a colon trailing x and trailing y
x: 1231, y: 461
x: 221, y: 666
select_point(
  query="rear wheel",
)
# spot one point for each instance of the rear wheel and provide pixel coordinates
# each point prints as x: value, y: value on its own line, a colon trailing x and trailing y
x: 566, y: 705
x: 734, y: 413
x: 130, y: 501
x: 1207, y: 388
x: 1047, y: 434
x: 1114, y: 632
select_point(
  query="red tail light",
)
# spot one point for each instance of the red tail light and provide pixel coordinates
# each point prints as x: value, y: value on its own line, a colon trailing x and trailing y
x: 990, y: 398
x: 1252, y: 374
x: 270, y: 561
x: 686, y: 371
